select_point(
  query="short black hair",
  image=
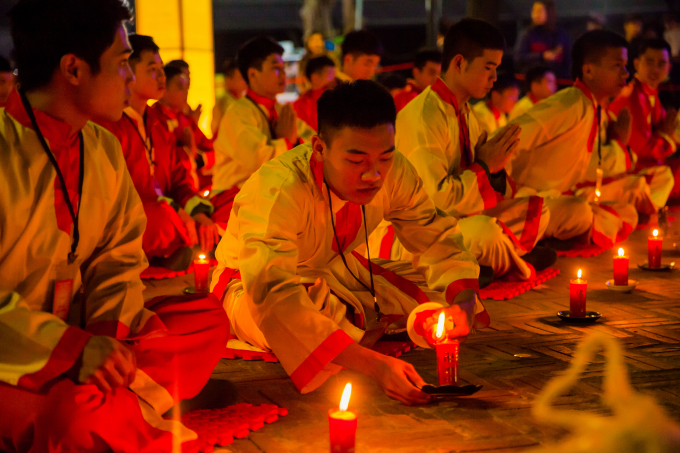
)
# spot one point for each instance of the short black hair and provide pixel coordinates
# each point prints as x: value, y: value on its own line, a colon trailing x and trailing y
x: 229, y: 66
x: 181, y: 64
x: 253, y: 53
x: 362, y: 104
x: 317, y: 64
x: 139, y: 44
x: 4, y: 65
x: 656, y: 44
x: 503, y: 82
x: 425, y: 55
x: 391, y: 80
x: 591, y: 46
x: 361, y: 42
x: 170, y: 72
x: 470, y: 38
x: 44, y: 31
x: 536, y: 74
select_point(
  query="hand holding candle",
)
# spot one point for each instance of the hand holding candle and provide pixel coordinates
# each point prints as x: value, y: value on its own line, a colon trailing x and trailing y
x: 447, y: 354
x: 654, y: 245
x: 201, y: 271
x: 621, y: 264
x: 577, y: 297
x: 342, y: 425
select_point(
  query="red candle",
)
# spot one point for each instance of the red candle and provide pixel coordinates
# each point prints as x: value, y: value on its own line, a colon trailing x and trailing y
x: 621, y: 269
x: 201, y: 270
x: 654, y: 244
x: 577, y: 297
x: 447, y: 355
x: 342, y: 425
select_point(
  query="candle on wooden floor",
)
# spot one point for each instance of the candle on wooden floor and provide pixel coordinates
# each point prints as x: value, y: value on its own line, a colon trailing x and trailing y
x: 342, y: 424
x: 654, y: 244
x: 621, y: 269
x: 577, y: 296
x: 447, y: 355
x: 201, y: 271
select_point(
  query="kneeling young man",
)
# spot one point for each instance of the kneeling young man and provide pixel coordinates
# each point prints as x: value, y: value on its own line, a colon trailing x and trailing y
x: 85, y: 361
x: 289, y: 276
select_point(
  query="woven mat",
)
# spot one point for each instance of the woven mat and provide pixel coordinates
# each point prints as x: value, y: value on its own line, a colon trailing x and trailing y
x: 584, y: 250
x: 500, y: 290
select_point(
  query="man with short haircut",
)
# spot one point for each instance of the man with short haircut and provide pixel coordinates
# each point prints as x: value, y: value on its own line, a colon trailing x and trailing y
x: 7, y: 81
x: 255, y: 128
x: 320, y: 72
x: 464, y: 172
x: 492, y: 113
x: 361, y: 53
x: 85, y: 361
x: 560, y: 134
x: 540, y: 84
x: 427, y: 66
x: 178, y: 217
x: 289, y: 275
x: 652, y: 129
x: 234, y: 88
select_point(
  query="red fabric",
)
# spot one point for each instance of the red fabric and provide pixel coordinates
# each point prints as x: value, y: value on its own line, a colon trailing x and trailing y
x: 532, y: 98
x: 650, y: 147
x: 117, y: 329
x: 531, y: 223
x: 386, y: 244
x: 447, y: 96
x: 225, y: 277
x: 459, y: 285
x: 66, y: 149
x: 494, y: 110
x: 222, y: 204
x: 70, y: 417
x: 319, y: 358
x: 407, y: 95
x: 675, y: 168
x: 165, y: 232
x: 484, y: 186
x: 269, y: 104
x: 593, y: 129
x: 165, y: 115
x: 305, y: 107
x: 508, y: 232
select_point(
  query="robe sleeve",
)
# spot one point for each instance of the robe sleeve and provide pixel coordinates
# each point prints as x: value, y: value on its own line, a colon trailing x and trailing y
x: 426, y: 139
x: 433, y: 237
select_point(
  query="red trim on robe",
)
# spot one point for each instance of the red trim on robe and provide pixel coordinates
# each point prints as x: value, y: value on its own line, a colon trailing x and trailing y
x: 485, y: 189
x: 225, y: 277
x: 593, y: 129
x: 269, y: 104
x: 446, y: 95
x: 329, y: 349
x: 532, y: 98
x: 459, y: 285
x: 63, y: 356
x: 511, y: 235
x: 531, y: 223
x: 387, y: 243
x: 120, y: 331
x: 494, y: 110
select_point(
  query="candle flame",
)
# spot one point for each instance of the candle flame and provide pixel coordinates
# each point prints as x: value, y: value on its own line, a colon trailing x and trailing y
x: 344, y: 401
x: 620, y: 252
x: 597, y: 192
x: 206, y: 193
x: 440, y: 324
x: 655, y: 233
x: 578, y: 274
x: 201, y: 257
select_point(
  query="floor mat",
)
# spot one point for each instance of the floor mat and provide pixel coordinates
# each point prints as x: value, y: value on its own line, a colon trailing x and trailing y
x: 583, y: 250
x: 500, y: 290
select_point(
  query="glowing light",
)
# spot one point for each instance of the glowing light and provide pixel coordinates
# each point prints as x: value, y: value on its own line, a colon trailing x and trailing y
x: 620, y: 252
x: 597, y: 193
x: 201, y: 257
x: 440, y: 324
x: 655, y: 233
x: 578, y: 274
x: 206, y: 193
x: 344, y: 401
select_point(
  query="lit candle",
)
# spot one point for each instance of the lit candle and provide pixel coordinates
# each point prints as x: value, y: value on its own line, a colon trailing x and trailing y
x: 621, y: 269
x: 577, y: 297
x: 201, y: 270
x: 447, y: 355
x: 598, y: 194
x: 206, y: 193
x: 342, y: 425
x: 654, y: 243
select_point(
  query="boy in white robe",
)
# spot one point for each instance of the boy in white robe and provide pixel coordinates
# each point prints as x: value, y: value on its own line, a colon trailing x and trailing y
x: 540, y: 84
x: 361, y: 53
x: 289, y: 276
x: 492, y: 113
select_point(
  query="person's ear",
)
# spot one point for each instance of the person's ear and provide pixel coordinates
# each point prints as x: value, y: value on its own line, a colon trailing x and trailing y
x: 318, y: 148
x: 587, y: 71
x: 73, y: 69
x: 252, y: 72
x: 347, y: 60
x: 458, y: 63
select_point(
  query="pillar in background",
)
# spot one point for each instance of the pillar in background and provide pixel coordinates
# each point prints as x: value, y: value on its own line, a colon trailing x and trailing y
x: 183, y: 29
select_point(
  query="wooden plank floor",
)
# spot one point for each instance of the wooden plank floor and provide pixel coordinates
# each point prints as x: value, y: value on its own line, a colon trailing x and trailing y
x: 498, y: 418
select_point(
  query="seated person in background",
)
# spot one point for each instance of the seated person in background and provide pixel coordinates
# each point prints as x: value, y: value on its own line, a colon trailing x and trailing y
x: 652, y: 139
x: 255, y: 128
x: 172, y: 206
x: 461, y: 170
x: 540, y: 84
x: 87, y: 365
x: 289, y: 275
x: 6, y: 81
x: 361, y: 53
x: 427, y: 66
x: 320, y: 72
x: 492, y: 113
x: 560, y: 133
x: 234, y: 88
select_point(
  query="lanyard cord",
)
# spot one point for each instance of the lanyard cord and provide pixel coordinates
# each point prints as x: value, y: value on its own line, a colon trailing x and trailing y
x: 268, y: 120
x: 74, y: 214
x: 148, y: 146
x: 599, y: 137
x: 342, y: 254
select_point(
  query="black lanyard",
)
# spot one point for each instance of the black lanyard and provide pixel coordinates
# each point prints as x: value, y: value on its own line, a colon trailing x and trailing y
x: 267, y: 119
x: 74, y: 214
x: 148, y: 146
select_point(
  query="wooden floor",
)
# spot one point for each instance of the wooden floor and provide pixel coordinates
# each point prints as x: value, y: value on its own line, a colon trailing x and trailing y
x: 498, y: 418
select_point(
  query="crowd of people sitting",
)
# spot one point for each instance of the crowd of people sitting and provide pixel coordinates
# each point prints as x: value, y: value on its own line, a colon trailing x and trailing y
x: 331, y: 218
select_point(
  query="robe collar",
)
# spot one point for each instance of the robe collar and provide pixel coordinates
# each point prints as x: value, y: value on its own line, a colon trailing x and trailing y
x: 586, y: 91
x: 494, y: 110
x: 446, y: 95
x: 165, y: 110
x: 415, y: 88
x: 269, y: 104
x: 532, y: 98
x: 649, y: 91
